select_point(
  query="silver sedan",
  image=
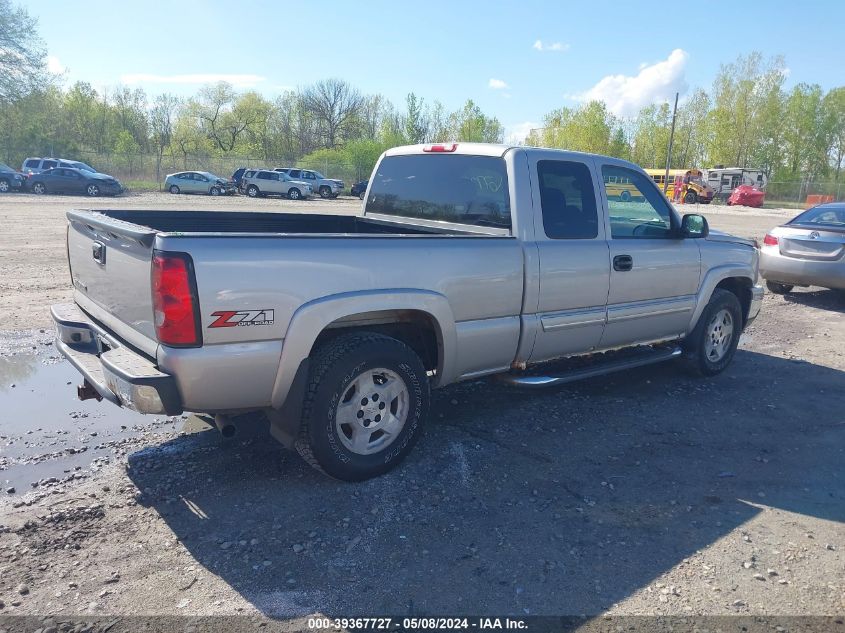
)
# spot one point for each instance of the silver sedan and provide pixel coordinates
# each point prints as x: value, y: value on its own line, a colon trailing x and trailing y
x: 809, y: 250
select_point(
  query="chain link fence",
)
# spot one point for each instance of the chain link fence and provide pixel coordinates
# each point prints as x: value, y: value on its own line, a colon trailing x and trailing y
x: 147, y: 171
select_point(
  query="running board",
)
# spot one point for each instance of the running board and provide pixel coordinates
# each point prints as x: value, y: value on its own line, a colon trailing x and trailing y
x: 537, y: 382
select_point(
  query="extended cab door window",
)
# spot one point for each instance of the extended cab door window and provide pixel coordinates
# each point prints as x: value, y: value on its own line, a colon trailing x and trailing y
x: 636, y: 207
x: 567, y: 200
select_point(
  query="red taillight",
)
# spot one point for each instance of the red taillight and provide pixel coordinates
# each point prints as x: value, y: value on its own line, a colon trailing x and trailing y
x: 770, y: 240
x: 441, y: 148
x: 175, y: 305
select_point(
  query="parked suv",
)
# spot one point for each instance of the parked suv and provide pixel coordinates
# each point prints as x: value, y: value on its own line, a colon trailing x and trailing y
x: 326, y: 187
x: 263, y: 182
x: 38, y: 165
x: 10, y: 179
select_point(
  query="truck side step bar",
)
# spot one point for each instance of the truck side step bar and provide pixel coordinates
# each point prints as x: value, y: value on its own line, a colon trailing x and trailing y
x: 599, y: 369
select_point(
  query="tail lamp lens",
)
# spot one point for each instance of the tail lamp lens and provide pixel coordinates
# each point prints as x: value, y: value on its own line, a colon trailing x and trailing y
x: 175, y: 304
x: 770, y: 240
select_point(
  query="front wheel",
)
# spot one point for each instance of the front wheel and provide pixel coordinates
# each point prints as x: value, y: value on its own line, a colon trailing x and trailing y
x: 92, y: 190
x: 215, y: 191
x: 4, y: 185
x: 778, y: 288
x: 325, y: 192
x: 712, y: 344
x: 174, y: 189
x: 367, y: 401
x: 691, y: 197
x: 294, y: 193
x: 362, y: 194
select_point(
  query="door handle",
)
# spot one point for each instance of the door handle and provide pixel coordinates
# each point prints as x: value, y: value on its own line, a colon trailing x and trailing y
x: 623, y: 263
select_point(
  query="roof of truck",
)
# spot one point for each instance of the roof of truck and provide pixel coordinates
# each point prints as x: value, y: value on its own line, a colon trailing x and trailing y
x: 495, y: 150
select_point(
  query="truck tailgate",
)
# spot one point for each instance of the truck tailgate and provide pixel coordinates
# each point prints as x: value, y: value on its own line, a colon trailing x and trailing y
x: 110, y: 265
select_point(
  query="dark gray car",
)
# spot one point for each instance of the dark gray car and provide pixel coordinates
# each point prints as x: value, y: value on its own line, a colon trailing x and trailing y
x: 10, y: 179
x: 76, y: 181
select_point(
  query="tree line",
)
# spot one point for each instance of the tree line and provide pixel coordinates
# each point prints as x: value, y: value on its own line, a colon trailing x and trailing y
x: 747, y: 119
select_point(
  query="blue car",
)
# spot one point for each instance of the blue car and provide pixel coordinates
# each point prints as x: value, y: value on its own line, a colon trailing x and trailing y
x: 10, y: 180
x: 71, y: 180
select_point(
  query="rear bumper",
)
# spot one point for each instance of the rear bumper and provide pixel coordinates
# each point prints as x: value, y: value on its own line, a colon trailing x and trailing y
x: 801, y: 272
x: 114, y: 371
x: 756, y: 304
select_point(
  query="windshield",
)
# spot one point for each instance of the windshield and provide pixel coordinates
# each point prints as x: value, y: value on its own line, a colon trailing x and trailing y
x: 83, y: 166
x: 319, y: 176
x: 451, y: 188
x: 5, y: 167
x: 829, y: 216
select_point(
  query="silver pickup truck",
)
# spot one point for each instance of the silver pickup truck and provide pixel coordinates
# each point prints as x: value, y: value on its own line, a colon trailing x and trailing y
x: 468, y: 260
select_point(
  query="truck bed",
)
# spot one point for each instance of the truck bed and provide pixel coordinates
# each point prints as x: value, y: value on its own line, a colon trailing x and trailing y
x: 260, y: 222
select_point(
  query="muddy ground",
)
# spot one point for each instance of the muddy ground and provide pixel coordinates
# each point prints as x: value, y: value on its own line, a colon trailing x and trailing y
x: 651, y: 492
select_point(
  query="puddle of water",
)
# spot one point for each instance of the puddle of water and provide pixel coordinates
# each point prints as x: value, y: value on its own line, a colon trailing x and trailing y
x: 45, y: 431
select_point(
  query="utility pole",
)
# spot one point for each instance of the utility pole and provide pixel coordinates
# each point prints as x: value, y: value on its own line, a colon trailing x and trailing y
x: 671, y: 141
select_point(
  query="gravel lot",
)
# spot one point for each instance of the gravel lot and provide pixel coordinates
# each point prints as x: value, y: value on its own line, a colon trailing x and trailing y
x: 644, y: 493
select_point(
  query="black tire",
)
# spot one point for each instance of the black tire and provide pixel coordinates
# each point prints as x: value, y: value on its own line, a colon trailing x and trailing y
x: 215, y: 191
x: 690, y: 197
x: 778, y: 288
x: 625, y: 196
x: 252, y: 191
x: 294, y: 194
x: 174, y: 189
x: 5, y: 187
x: 334, y: 368
x: 696, y: 344
x: 39, y: 188
x: 362, y: 194
x: 325, y: 192
x: 92, y: 190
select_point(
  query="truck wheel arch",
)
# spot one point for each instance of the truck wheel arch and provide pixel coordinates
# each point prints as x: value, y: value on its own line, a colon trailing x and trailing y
x: 371, y: 310
x: 731, y: 277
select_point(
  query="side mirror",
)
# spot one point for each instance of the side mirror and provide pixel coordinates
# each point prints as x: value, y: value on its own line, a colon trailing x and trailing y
x: 694, y: 226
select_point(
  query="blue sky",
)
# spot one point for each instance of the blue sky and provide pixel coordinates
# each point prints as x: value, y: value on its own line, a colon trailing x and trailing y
x: 517, y: 60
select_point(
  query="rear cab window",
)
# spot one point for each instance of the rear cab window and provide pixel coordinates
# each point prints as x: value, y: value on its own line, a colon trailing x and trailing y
x: 457, y: 188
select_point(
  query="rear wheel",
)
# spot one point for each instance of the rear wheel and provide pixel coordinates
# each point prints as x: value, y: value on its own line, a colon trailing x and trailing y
x: 252, y: 191
x: 325, y: 192
x: 367, y: 400
x: 778, y: 288
x: 174, y: 189
x: 39, y: 188
x: 294, y: 193
x: 712, y: 344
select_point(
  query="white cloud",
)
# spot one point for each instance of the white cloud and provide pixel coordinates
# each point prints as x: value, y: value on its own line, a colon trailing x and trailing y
x: 655, y: 83
x: 54, y: 65
x: 554, y: 46
x: 238, y: 81
x: 497, y: 84
x: 517, y: 132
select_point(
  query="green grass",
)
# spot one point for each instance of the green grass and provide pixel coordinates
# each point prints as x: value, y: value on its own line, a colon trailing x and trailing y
x: 141, y: 185
x: 783, y: 204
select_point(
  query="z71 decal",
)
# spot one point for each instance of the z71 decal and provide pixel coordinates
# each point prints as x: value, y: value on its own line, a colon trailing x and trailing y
x: 236, y: 318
